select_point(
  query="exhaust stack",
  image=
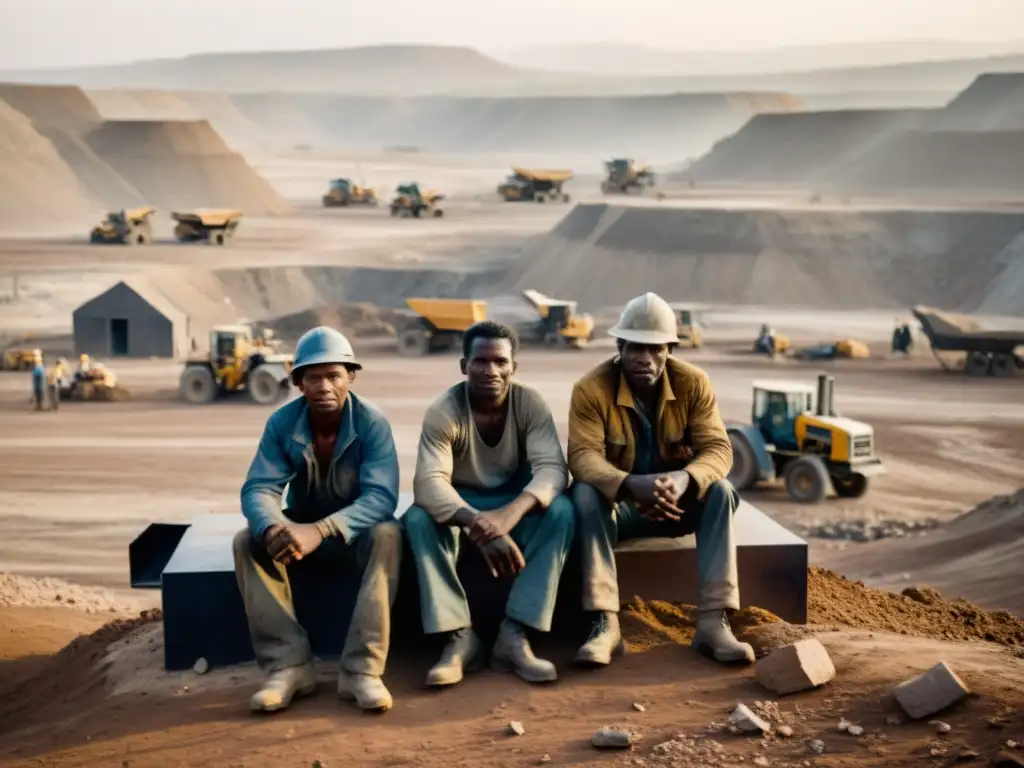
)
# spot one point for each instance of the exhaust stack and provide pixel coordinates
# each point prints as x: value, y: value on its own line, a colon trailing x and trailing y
x: 826, y: 389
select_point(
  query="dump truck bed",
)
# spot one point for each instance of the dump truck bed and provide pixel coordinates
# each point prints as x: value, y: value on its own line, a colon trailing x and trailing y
x: 134, y: 214
x: 541, y: 174
x: 951, y: 333
x: 449, y: 314
x: 212, y: 218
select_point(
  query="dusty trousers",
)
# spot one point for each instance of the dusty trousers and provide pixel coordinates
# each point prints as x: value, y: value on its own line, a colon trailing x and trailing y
x: 279, y: 640
x: 601, y: 525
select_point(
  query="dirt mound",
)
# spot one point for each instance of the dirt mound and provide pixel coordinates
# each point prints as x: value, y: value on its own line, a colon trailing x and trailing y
x: 27, y: 592
x: 127, y: 104
x: 801, y: 148
x: 183, y: 164
x: 603, y: 255
x: 993, y: 102
x: 100, y: 394
x: 37, y: 188
x: 65, y: 106
x: 356, y: 320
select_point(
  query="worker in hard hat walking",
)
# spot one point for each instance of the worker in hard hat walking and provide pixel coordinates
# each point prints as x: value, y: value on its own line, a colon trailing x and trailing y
x: 649, y: 455
x: 335, y: 453
x: 490, y: 465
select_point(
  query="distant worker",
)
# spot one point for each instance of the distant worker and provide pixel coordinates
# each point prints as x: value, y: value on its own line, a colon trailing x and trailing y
x: 765, y: 343
x: 902, y: 338
x: 84, y: 367
x: 649, y: 455
x: 490, y: 464
x: 336, y: 454
x: 57, y: 378
x: 38, y: 380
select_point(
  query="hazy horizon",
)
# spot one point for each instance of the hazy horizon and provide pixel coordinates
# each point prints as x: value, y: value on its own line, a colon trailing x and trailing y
x: 55, y: 33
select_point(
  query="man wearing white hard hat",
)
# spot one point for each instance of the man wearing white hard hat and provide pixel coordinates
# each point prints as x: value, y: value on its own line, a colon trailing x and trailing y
x: 649, y: 455
x: 335, y: 453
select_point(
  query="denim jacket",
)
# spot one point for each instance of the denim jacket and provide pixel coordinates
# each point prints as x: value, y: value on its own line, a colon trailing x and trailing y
x: 362, y: 480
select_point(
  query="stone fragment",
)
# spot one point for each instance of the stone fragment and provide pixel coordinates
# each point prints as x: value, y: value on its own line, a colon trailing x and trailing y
x: 940, y: 727
x: 743, y: 720
x: 1006, y: 759
x: 817, y: 746
x: 930, y: 692
x: 201, y: 667
x: 855, y: 730
x: 799, y: 666
x: 515, y: 728
x: 761, y: 761
x: 639, y: 707
x: 612, y: 738
x: 893, y: 720
x: 785, y: 731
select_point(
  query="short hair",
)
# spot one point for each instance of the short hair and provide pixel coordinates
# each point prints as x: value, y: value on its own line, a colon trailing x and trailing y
x: 492, y: 331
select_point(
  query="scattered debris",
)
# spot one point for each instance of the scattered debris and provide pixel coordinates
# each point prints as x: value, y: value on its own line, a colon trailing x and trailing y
x: 893, y: 720
x: 1007, y: 760
x: 761, y: 761
x: 930, y: 692
x: 785, y: 731
x: 940, y: 727
x: 799, y: 666
x: 966, y: 755
x: 855, y: 730
x: 817, y: 746
x: 866, y: 530
x: 1011, y: 744
x: 843, y: 725
x: 639, y: 707
x: 612, y: 738
x: 743, y: 720
x: 515, y: 728
x: 201, y: 667
x: 545, y: 758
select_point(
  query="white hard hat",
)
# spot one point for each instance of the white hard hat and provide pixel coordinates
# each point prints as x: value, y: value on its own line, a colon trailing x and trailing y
x: 647, y: 319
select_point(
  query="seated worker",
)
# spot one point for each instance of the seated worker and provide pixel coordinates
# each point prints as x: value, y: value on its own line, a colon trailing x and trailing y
x: 649, y: 455
x: 335, y: 453
x: 490, y: 465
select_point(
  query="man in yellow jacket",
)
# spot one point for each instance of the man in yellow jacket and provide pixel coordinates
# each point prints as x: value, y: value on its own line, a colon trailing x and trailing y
x: 649, y: 455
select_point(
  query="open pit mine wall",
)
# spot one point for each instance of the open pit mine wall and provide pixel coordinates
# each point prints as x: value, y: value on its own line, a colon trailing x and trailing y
x: 603, y: 255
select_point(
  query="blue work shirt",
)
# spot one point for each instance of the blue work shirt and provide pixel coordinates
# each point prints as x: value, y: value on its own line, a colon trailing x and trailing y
x: 360, y: 488
x: 39, y: 376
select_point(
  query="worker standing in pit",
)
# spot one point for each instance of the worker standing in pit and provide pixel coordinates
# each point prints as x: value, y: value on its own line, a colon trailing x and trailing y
x: 336, y: 454
x: 38, y: 380
x: 650, y: 455
x: 55, y: 380
x: 490, y: 464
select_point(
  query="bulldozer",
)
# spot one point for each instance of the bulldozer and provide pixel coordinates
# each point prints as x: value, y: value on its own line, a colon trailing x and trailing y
x: 437, y: 325
x: 796, y: 433
x: 626, y: 176
x: 212, y: 226
x: 237, y: 362
x: 558, y: 325
x: 533, y: 185
x: 342, y: 193
x: 410, y: 201
x: 129, y: 226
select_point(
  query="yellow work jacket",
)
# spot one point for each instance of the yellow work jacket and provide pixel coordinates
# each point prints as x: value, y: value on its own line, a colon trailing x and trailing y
x: 689, y: 430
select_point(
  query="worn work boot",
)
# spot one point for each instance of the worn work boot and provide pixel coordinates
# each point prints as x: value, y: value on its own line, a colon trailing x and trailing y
x: 714, y: 638
x: 367, y: 691
x: 512, y: 653
x: 604, y: 642
x: 464, y: 653
x: 282, y: 686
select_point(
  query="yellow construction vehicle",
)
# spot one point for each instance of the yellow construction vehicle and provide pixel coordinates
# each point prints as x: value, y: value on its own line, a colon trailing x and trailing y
x: 845, y: 348
x: 342, y: 193
x: 796, y: 434
x: 770, y: 343
x: 92, y: 381
x: 437, y: 325
x: 559, y: 325
x: 213, y: 226
x: 19, y: 358
x: 129, y: 226
x: 626, y: 176
x: 237, y: 362
x: 687, y: 328
x: 535, y: 185
x: 410, y: 201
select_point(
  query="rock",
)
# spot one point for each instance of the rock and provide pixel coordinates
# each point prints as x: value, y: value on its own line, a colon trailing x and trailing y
x: 940, y: 727
x: 799, y: 666
x: 1011, y: 744
x: 761, y: 761
x: 930, y: 692
x: 639, y: 707
x: 544, y: 759
x: 743, y: 720
x: 612, y: 738
x: 515, y: 728
x: 893, y: 720
x: 1006, y: 759
x: 201, y: 667
x: 817, y: 746
x: 855, y: 730
x: 843, y: 725
x: 967, y: 755
x: 785, y: 731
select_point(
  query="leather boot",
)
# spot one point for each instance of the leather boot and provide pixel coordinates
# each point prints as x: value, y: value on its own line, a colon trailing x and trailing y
x: 604, y: 642
x: 281, y: 686
x: 714, y: 638
x: 464, y: 652
x: 367, y: 691
x: 512, y: 653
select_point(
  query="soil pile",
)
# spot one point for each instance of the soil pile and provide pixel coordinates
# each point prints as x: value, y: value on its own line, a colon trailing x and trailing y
x: 602, y: 255
x: 27, y: 592
x: 356, y: 320
x: 993, y: 102
x: 183, y: 165
x: 61, y: 106
x: 127, y: 104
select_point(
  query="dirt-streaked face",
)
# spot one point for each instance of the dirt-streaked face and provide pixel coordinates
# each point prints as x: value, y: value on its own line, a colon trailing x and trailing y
x: 489, y: 368
x: 325, y: 387
x: 644, y: 364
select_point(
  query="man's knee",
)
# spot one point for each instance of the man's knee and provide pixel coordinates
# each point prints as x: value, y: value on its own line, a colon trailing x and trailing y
x: 417, y: 523
x: 386, y: 535
x: 588, y: 501
x: 241, y: 545
x: 722, y: 496
x: 561, y: 514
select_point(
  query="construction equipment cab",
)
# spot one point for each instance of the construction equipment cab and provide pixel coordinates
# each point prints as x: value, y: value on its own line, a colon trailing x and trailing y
x: 215, y: 227
x: 409, y: 201
x: 342, y: 192
x: 129, y: 226
x: 533, y: 185
x: 624, y: 175
x: 795, y: 433
x: 559, y: 325
x: 237, y: 363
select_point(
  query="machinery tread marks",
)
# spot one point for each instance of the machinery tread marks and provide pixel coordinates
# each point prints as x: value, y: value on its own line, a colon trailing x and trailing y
x: 807, y: 480
x: 744, y: 472
x: 198, y: 384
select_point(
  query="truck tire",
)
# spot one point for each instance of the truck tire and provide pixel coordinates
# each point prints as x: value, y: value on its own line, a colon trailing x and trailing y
x: 850, y: 486
x: 413, y: 343
x: 744, y: 472
x: 977, y: 364
x: 807, y: 480
x: 264, y: 387
x: 1004, y: 364
x: 198, y: 385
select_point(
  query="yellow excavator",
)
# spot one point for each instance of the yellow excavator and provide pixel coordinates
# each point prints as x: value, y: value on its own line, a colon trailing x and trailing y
x: 238, y: 361
x: 129, y: 226
x: 411, y: 201
x: 343, y: 192
x: 208, y: 226
x: 535, y: 185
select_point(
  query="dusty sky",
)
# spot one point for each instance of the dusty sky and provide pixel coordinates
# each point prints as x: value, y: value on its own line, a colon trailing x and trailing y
x: 70, y: 32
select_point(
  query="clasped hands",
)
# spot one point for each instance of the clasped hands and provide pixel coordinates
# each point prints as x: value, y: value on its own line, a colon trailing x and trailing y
x: 291, y: 542
x: 657, y: 496
x: 489, y: 531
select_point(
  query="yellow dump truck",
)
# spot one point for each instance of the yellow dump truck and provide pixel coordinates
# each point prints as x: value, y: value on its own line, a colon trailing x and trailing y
x: 559, y: 325
x: 411, y: 201
x: 206, y: 226
x: 238, y: 361
x: 535, y: 185
x: 19, y: 358
x: 343, y: 192
x: 437, y: 325
x: 129, y: 226
x: 625, y: 176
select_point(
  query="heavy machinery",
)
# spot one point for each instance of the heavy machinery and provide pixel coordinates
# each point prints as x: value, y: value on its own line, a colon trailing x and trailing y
x: 558, y: 325
x: 206, y: 226
x: 129, y: 226
x: 342, y: 192
x: 409, y: 201
x: 626, y: 176
x: 437, y: 325
x: 795, y: 433
x: 687, y: 327
x: 237, y: 362
x: 770, y: 343
x: 989, y: 353
x: 19, y: 358
x: 533, y: 185
x: 844, y: 348
x: 94, y: 382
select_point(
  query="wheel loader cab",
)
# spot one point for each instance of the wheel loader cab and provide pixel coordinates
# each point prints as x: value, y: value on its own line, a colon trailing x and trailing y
x: 230, y: 353
x: 776, y: 410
